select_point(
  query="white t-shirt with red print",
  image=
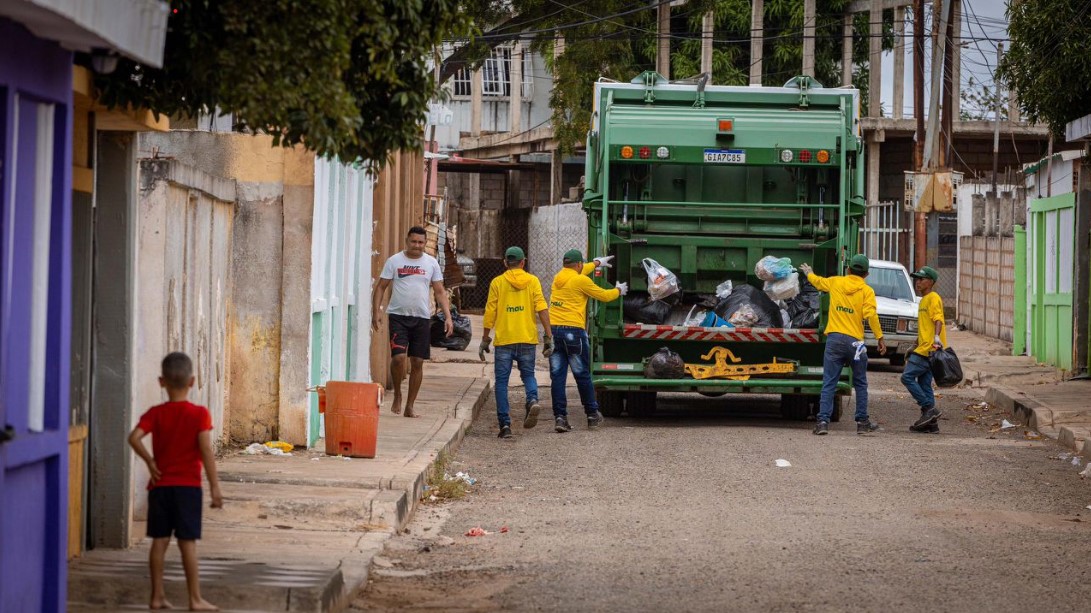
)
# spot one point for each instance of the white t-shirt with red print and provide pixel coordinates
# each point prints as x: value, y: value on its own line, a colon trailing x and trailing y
x: 411, y: 284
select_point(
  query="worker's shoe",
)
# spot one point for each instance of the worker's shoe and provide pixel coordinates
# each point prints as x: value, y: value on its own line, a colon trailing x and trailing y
x: 928, y: 417
x: 866, y: 427
x: 822, y: 427
x: 505, y: 432
x: 594, y: 420
x: 560, y: 424
x: 531, y: 418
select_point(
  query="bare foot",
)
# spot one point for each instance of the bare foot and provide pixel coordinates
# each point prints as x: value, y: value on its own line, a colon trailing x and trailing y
x: 409, y: 412
x: 396, y: 408
x: 158, y: 604
x: 202, y: 605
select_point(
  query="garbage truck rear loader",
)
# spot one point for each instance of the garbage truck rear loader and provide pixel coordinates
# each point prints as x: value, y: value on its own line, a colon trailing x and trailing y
x: 706, y: 181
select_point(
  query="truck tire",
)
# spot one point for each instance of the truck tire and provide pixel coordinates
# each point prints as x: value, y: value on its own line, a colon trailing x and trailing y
x: 838, y: 404
x: 641, y: 404
x: 796, y: 407
x: 610, y: 403
x: 813, y: 406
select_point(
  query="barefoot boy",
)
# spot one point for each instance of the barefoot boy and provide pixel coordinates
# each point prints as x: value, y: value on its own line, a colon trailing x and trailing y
x: 181, y: 443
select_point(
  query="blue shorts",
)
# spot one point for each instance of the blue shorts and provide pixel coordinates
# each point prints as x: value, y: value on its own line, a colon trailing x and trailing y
x: 174, y: 510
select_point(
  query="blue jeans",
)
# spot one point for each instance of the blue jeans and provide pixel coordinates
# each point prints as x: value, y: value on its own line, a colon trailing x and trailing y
x: 572, y: 349
x: 839, y: 354
x: 522, y: 354
x: 917, y: 378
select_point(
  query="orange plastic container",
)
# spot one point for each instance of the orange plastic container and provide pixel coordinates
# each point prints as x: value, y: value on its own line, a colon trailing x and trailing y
x: 352, y: 417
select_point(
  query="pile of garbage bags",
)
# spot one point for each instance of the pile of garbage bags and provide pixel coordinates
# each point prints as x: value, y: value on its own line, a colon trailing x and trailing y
x: 457, y: 341
x: 787, y: 300
x: 665, y: 364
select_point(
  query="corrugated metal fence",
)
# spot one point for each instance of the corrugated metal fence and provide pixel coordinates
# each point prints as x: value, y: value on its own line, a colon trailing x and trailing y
x: 987, y: 285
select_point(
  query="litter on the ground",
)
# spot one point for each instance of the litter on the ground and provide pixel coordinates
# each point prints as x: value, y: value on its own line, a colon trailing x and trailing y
x: 281, y: 445
x: 259, y: 449
x: 783, y: 464
x: 478, y: 531
x: 461, y: 476
x: 1076, y: 461
x: 980, y: 406
x: 1005, y: 424
x: 1031, y: 435
x: 1086, y: 473
x: 504, y: 530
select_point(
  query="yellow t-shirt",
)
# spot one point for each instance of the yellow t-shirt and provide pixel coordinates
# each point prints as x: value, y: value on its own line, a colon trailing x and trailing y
x: 511, y: 310
x: 852, y: 301
x: 929, y: 311
x: 569, y: 293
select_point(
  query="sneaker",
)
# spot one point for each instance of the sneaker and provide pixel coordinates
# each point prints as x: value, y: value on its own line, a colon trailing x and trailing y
x: 822, y: 427
x: 929, y: 429
x: 505, y: 432
x: 866, y: 427
x: 531, y: 418
x: 928, y: 417
x: 594, y: 420
x: 560, y: 424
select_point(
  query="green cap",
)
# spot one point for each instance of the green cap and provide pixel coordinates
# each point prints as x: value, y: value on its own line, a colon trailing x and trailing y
x: 926, y: 272
x: 515, y: 254
x: 572, y: 256
x: 859, y: 263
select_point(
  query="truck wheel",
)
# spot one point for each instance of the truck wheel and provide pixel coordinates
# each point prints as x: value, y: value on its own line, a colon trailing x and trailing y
x: 795, y: 407
x: 838, y: 403
x: 641, y: 404
x: 610, y: 403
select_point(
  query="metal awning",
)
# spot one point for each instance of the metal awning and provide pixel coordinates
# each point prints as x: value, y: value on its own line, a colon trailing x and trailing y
x: 461, y: 164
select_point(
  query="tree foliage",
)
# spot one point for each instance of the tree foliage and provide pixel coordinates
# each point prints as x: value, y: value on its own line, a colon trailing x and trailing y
x: 617, y: 39
x: 1048, y: 64
x: 979, y: 102
x: 345, y: 78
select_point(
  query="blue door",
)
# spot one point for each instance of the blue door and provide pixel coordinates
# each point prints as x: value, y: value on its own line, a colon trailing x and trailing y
x: 35, y: 171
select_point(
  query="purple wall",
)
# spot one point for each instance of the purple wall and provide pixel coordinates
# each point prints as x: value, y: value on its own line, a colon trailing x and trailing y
x: 33, y: 465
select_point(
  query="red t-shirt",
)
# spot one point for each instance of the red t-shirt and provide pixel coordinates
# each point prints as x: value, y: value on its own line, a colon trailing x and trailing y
x: 174, y: 427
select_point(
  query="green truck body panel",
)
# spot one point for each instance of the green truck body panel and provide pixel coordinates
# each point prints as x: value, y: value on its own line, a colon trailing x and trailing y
x: 665, y: 180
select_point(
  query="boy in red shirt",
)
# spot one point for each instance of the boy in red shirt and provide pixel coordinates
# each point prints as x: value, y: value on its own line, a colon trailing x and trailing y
x: 181, y: 443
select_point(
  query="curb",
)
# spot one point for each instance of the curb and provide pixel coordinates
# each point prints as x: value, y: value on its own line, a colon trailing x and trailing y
x: 1036, y: 415
x: 405, y: 490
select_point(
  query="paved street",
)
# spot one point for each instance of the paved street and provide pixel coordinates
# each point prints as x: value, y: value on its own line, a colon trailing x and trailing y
x: 688, y: 511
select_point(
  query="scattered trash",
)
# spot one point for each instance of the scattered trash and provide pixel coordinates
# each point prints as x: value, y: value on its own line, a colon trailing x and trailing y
x: 259, y: 449
x: 665, y: 364
x: 770, y: 268
x: 459, y: 340
x: 504, y: 530
x: 712, y: 320
x: 661, y: 281
x: 784, y: 464
x: 744, y: 317
x: 980, y: 406
x: 1086, y: 473
x: 281, y: 445
x: 1004, y: 425
x: 723, y: 290
x: 1076, y: 461
x: 1031, y: 435
x: 478, y: 532
x: 783, y: 289
x: 641, y: 308
x: 762, y: 312
x: 461, y: 476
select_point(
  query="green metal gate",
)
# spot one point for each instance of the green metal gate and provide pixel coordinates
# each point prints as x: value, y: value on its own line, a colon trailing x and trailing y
x: 1052, y: 246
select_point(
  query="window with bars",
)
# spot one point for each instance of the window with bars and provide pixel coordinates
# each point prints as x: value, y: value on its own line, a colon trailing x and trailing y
x: 495, y: 76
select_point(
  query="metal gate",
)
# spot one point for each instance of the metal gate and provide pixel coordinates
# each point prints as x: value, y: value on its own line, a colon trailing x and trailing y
x: 881, y: 231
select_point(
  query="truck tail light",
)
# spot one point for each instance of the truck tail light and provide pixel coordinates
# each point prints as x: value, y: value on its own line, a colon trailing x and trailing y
x: 822, y: 156
x: 725, y: 125
x: 805, y: 156
x: 627, y: 152
x: 645, y: 152
x: 662, y: 153
x: 786, y: 155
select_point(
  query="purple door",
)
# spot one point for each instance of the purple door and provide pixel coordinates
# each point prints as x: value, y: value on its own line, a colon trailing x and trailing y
x: 35, y: 220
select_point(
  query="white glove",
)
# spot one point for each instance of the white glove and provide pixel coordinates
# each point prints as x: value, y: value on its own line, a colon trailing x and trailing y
x: 604, y: 261
x: 805, y: 269
x: 622, y: 287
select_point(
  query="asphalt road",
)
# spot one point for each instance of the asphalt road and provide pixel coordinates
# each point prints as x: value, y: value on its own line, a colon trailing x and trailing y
x: 687, y: 511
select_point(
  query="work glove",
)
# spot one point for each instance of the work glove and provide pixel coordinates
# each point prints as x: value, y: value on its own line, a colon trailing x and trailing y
x: 604, y: 261
x: 547, y: 346
x: 623, y: 288
x: 805, y: 269
x: 484, y: 348
x: 937, y: 344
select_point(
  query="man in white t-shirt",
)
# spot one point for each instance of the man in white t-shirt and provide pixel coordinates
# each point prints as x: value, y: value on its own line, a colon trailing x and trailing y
x: 411, y: 274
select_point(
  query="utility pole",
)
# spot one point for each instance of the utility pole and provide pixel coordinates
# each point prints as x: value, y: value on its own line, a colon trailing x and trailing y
x: 875, y: 59
x: 808, y: 37
x: 757, y: 28
x: 996, y: 122
x: 663, y: 56
x: 846, y: 50
x: 707, y: 27
x: 918, y: 83
x: 947, y: 120
x: 939, y: 48
x: 899, y: 61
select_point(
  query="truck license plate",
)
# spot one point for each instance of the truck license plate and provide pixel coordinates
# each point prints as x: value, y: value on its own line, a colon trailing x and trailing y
x: 725, y: 156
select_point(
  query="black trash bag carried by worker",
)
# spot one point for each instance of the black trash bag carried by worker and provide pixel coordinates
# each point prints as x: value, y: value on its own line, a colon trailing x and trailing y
x: 640, y: 308
x: 665, y: 364
x: 462, y: 334
x: 803, y: 309
x: 946, y: 369
x: 766, y: 313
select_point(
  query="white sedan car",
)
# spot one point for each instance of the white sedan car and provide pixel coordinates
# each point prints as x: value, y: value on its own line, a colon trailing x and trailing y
x: 897, y: 306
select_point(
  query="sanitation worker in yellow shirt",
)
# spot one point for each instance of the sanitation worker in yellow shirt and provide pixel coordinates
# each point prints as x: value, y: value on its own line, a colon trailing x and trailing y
x: 514, y: 299
x: 568, y: 311
x: 931, y: 336
x: 851, y: 303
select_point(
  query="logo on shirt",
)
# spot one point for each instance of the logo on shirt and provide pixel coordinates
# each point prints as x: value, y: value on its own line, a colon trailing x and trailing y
x: 409, y: 271
x: 515, y: 309
x: 845, y: 309
x: 556, y: 303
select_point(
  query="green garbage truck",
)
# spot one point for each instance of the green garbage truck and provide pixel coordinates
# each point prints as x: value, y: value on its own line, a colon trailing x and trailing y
x: 706, y: 181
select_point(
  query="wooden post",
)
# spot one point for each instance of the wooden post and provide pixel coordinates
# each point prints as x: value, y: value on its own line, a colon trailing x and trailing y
x: 808, y: 37
x: 899, y: 61
x: 707, y: 28
x: 663, y: 31
x: 475, y: 103
x: 846, y: 50
x: 756, y: 40
x: 918, y: 83
x: 875, y: 58
x: 515, y: 100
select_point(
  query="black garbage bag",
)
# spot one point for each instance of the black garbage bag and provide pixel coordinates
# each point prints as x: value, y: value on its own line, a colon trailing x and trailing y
x: 665, y: 364
x: 767, y: 311
x: 462, y: 334
x: 803, y: 309
x: 640, y: 308
x: 946, y: 369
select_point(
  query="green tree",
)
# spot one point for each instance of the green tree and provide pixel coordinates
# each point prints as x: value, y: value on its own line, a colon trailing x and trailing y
x: 1048, y: 64
x: 617, y: 39
x: 345, y: 78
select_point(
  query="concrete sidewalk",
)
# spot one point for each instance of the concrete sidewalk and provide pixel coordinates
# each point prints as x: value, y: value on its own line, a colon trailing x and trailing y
x: 1036, y: 395
x: 298, y: 533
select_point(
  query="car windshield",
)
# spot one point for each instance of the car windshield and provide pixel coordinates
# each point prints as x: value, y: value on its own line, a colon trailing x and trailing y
x: 890, y: 283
